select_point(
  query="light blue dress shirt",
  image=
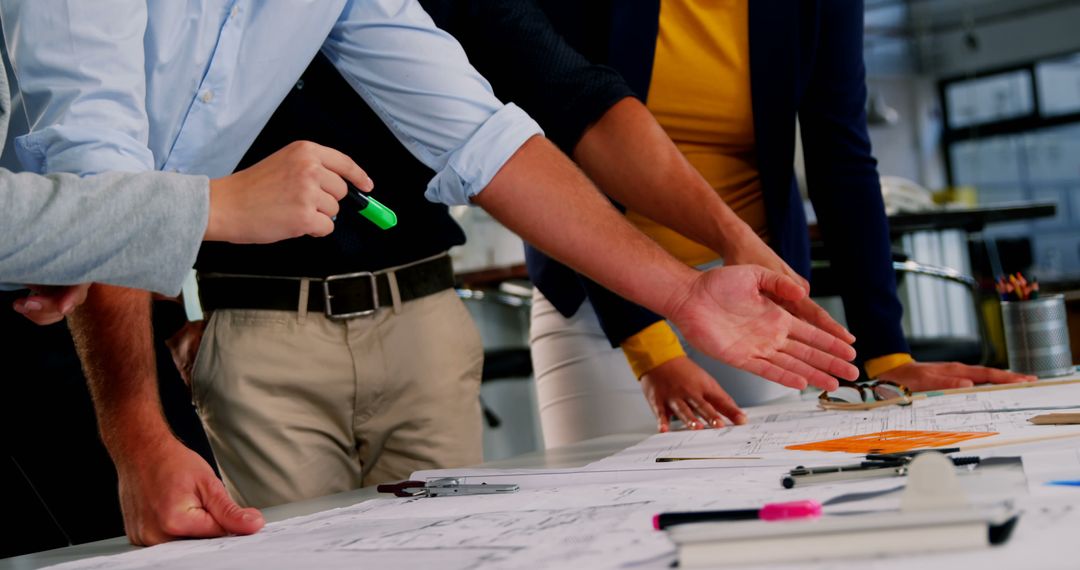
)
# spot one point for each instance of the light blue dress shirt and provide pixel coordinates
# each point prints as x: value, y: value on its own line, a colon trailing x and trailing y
x: 186, y: 85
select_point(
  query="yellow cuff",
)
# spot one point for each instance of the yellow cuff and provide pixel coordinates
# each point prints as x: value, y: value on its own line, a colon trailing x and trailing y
x: 877, y: 366
x: 653, y: 346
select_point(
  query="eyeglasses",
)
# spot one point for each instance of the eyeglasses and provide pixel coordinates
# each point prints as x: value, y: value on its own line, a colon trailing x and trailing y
x: 865, y: 396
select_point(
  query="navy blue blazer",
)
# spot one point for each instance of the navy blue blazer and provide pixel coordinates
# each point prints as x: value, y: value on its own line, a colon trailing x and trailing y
x: 806, y: 64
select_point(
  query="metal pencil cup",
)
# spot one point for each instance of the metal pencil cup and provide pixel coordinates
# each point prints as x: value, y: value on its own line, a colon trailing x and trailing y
x: 1037, y: 336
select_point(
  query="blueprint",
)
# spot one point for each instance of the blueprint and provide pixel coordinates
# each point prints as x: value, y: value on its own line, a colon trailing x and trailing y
x: 587, y: 526
x: 600, y: 515
x: 770, y: 429
x: 583, y: 526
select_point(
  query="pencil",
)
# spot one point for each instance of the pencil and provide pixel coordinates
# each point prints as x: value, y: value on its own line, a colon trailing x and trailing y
x: 1019, y: 440
x: 999, y: 387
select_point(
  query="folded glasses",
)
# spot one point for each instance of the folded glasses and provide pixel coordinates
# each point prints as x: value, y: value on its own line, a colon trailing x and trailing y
x: 865, y: 396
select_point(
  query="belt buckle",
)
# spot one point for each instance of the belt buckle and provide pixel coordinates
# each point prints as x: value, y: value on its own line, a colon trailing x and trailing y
x: 327, y: 296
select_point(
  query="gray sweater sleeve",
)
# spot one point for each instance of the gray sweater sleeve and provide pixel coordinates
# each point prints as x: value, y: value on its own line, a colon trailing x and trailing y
x: 135, y: 230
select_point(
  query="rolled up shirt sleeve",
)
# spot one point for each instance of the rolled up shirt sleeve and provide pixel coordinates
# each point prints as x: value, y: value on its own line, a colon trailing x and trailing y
x: 418, y: 79
x: 80, y: 64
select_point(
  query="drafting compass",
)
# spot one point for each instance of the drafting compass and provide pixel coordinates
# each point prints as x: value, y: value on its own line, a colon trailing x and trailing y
x: 443, y: 487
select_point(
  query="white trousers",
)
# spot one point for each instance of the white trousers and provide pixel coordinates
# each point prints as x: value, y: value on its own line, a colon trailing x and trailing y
x: 585, y: 388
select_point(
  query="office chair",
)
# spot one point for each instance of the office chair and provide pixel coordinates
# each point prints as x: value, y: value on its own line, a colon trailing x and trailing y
x: 503, y: 363
x: 934, y: 349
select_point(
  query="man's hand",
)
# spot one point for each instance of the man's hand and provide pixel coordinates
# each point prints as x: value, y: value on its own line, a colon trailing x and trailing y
x: 681, y: 388
x: 291, y: 193
x: 184, y: 347
x: 753, y: 251
x: 920, y: 376
x: 169, y: 492
x: 50, y: 304
x: 729, y: 314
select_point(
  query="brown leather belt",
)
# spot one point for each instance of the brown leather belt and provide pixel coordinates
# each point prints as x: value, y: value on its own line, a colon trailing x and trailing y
x: 336, y: 296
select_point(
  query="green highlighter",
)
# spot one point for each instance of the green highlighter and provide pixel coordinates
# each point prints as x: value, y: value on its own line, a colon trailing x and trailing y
x: 380, y: 215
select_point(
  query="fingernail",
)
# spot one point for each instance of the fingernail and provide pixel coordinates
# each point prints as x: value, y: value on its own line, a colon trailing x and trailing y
x: 370, y: 185
x: 249, y: 517
x: 717, y: 423
x: 18, y: 308
x: 32, y: 306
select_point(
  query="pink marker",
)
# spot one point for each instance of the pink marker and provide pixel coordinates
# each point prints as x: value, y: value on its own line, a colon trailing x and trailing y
x: 770, y: 512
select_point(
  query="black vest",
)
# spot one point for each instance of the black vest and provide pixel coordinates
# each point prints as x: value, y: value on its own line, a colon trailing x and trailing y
x: 325, y: 109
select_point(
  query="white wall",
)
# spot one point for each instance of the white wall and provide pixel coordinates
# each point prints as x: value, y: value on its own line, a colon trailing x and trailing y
x: 911, y: 147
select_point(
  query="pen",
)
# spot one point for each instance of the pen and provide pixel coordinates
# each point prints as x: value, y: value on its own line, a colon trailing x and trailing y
x: 876, y: 465
x: 770, y: 512
x: 865, y: 470
x: 908, y: 454
x: 370, y: 208
x: 669, y: 459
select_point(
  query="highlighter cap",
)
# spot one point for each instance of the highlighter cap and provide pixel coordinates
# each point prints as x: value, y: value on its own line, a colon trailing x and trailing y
x: 380, y: 215
x: 792, y: 510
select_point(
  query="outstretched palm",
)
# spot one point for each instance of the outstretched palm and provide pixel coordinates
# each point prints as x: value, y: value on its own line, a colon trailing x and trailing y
x: 733, y: 315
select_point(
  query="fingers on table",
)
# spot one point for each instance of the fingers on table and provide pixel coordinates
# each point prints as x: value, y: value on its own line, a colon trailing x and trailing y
x: 230, y: 516
x: 663, y: 416
x: 982, y: 375
x: 942, y: 382
x: 706, y: 412
x: 685, y: 413
x: 718, y: 399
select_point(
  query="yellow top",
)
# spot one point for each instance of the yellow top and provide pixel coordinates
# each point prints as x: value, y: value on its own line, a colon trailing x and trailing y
x: 653, y: 346
x: 877, y: 366
x: 700, y: 95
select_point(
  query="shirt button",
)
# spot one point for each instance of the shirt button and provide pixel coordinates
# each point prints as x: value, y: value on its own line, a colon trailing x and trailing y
x: 207, y: 96
x: 235, y: 10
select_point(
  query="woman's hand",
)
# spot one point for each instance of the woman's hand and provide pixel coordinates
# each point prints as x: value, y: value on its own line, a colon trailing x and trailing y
x: 921, y: 376
x: 681, y: 388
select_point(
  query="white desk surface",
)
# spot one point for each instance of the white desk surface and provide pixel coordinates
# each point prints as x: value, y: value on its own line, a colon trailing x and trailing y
x: 574, y: 455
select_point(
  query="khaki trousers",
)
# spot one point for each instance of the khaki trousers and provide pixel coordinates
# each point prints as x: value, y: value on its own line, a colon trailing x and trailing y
x: 297, y: 405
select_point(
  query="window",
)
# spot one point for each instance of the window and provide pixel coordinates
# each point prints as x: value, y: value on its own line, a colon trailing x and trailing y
x: 1059, y: 86
x: 1014, y: 135
x: 989, y: 99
